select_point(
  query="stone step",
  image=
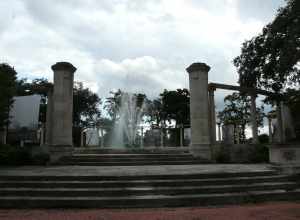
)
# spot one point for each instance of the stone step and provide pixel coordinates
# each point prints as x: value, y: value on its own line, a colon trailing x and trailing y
x: 142, y: 183
x: 156, y: 151
x: 139, y: 177
x: 149, y: 200
x: 138, y: 191
x: 129, y: 159
x: 92, y: 159
x: 89, y: 158
x: 131, y: 163
x: 148, y: 155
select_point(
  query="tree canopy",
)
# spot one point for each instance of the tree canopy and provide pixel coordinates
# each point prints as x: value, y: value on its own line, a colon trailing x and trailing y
x: 237, y: 112
x: 8, y: 77
x: 86, y: 111
x: 176, y: 105
x: 271, y: 60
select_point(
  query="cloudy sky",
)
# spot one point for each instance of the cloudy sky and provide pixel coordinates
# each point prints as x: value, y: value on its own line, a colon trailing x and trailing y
x: 136, y: 45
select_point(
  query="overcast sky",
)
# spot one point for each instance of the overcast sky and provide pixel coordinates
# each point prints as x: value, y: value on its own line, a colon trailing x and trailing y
x: 136, y: 45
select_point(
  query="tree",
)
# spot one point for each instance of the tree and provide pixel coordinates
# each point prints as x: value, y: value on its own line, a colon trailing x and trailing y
x: 113, y: 103
x: 155, y: 112
x: 8, y: 90
x: 271, y: 59
x: 292, y: 99
x: 237, y: 112
x: 86, y: 111
x: 176, y: 105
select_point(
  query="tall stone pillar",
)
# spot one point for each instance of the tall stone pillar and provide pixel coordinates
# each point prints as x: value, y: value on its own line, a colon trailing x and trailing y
x: 3, y: 135
x: 42, y: 135
x: 212, y: 111
x: 200, y: 132
x: 81, y: 139
x: 270, y: 130
x: 253, y: 119
x: 181, y: 133
x: 142, y: 137
x: 279, y: 122
x: 162, y: 136
x: 102, y: 137
x: 49, y: 117
x: 62, y: 114
x: 219, y: 132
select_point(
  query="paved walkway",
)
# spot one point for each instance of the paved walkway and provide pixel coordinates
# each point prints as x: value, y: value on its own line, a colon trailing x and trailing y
x: 271, y: 211
x: 133, y: 170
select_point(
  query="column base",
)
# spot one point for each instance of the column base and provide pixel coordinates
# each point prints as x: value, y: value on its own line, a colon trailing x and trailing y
x: 58, y: 151
x: 285, y: 157
x: 202, y: 151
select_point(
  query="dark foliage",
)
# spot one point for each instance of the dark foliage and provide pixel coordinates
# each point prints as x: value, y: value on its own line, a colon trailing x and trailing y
x: 8, y: 90
x: 271, y: 59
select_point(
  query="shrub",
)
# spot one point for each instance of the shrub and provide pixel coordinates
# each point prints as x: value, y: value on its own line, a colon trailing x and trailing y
x: 263, y: 138
x: 222, y: 155
x: 259, y: 154
x: 14, y: 155
x: 40, y: 158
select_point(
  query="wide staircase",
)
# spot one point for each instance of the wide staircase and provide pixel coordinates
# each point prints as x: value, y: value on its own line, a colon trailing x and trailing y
x: 130, y: 157
x: 136, y: 191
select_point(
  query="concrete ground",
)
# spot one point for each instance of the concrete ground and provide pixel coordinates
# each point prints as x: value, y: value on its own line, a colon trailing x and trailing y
x: 132, y: 170
x: 271, y: 211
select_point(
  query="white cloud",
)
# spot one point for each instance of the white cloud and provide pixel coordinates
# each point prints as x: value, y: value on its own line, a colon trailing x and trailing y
x: 135, y: 45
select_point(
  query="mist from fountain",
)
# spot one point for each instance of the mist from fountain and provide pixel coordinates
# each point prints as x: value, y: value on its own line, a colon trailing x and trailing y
x: 130, y: 117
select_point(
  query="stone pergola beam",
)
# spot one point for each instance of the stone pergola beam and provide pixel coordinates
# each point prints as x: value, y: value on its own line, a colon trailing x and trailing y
x: 213, y: 86
x: 200, y: 117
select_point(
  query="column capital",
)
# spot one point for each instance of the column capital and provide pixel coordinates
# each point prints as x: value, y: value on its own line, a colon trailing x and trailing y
x: 64, y: 66
x: 198, y: 67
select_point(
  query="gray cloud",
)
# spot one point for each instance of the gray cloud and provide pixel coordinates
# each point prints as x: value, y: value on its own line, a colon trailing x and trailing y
x: 136, y: 45
x: 257, y: 9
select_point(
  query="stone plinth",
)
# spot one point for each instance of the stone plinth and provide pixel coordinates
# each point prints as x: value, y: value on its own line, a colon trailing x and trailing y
x: 286, y: 157
x: 61, y: 140
x: 284, y: 153
x: 200, y: 131
x: 228, y: 134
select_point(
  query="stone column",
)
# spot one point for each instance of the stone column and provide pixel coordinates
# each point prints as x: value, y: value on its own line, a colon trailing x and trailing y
x: 142, y: 137
x: 212, y: 111
x: 62, y: 118
x: 81, y: 139
x: 102, y: 137
x: 42, y: 135
x: 200, y: 132
x: 219, y: 132
x: 253, y: 119
x: 279, y: 122
x: 161, y: 136
x: 237, y: 134
x: 3, y: 135
x: 270, y: 130
x: 181, y: 131
x: 49, y: 117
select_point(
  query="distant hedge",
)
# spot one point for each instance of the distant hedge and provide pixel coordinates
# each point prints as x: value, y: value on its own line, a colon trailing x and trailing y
x: 16, y: 155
